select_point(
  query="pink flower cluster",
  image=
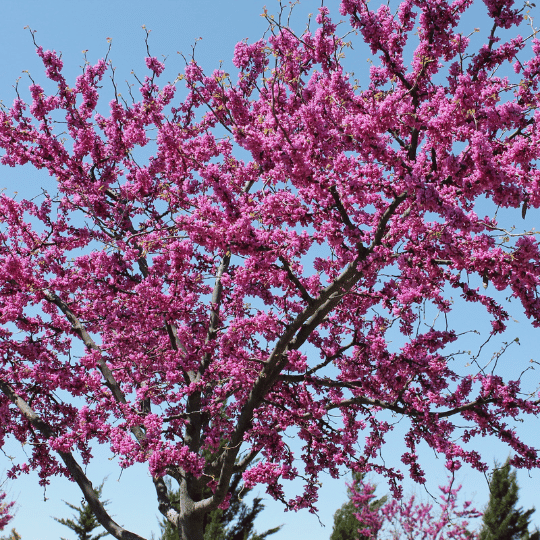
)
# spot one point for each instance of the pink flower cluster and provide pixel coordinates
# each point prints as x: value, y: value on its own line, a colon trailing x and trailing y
x: 406, y: 520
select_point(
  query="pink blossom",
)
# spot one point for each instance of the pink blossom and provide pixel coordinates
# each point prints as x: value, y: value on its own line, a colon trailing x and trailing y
x: 155, y: 65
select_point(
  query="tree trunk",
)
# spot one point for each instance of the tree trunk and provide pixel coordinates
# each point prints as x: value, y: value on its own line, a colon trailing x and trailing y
x: 190, y: 523
x: 191, y: 528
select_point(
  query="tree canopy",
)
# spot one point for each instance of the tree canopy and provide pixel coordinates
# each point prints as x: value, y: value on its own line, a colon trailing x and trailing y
x: 261, y: 258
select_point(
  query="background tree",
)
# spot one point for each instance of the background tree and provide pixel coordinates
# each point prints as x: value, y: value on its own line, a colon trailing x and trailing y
x: 346, y: 523
x: 237, y: 522
x: 84, y: 522
x: 443, y: 521
x: 408, y: 520
x: 269, y: 264
x: 502, y: 520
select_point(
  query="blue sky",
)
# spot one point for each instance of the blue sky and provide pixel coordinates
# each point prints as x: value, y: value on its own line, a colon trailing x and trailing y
x: 74, y: 26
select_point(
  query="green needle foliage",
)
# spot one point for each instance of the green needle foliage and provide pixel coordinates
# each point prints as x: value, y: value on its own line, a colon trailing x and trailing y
x: 346, y: 524
x: 502, y: 520
x: 84, y: 522
x: 235, y: 523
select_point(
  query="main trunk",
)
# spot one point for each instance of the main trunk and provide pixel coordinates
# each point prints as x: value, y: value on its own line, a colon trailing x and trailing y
x: 191, y: 528
x: 190, y: 523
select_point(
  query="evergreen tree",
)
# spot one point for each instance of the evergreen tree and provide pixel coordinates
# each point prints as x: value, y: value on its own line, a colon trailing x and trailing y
x: 346, y: 523
x: 85, y: 521
x: 234, y: 523
x: 502, y: 520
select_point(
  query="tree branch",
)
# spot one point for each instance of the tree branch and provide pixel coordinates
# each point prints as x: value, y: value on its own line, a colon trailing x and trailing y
x: 293, y: 337
x: 72, y: 466
x: 164, y: 502
x: 314, y: 369
x: 403, y: 410
x: 80, y: 330
x: 303, y: 292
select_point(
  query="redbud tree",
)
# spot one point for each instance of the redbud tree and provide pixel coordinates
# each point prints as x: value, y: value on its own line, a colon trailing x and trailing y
x: 259, y: 269
x: 397, y: 520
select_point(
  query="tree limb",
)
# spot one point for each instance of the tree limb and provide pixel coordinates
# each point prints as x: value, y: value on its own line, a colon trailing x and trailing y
x: 72, y: 466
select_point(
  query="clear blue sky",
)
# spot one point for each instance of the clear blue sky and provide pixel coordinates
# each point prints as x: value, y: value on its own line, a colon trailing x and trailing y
x: 73, y: 26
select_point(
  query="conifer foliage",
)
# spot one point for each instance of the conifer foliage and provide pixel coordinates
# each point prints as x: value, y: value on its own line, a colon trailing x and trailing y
x: 84, y: 521
x: 502, y: 519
